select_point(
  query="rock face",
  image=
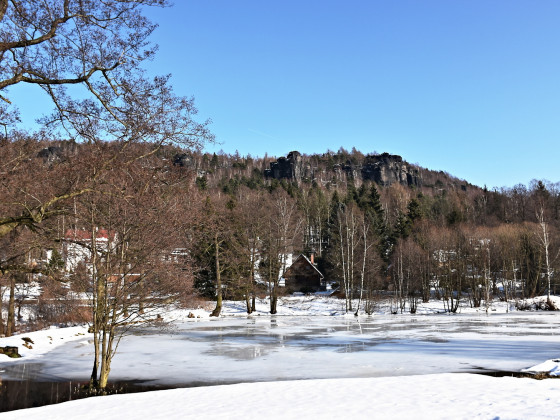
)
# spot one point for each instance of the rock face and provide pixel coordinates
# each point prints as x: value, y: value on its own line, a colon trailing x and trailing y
x: 384, y: 169
x: 289, y: 167
x: 389, y: 169
x: 53, y: 154
x: 182, y: 159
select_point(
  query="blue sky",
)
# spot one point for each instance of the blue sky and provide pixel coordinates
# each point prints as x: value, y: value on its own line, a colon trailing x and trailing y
x: 471, y: 87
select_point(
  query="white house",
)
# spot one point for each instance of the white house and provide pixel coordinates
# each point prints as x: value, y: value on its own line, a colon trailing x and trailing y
x: 78, y: 245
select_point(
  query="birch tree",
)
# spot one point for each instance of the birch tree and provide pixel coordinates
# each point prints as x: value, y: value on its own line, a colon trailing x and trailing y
x: 544, y: 238
x: 282, y: 229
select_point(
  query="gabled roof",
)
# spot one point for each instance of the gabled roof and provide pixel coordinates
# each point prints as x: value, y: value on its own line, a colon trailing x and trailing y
x: 306, y: 260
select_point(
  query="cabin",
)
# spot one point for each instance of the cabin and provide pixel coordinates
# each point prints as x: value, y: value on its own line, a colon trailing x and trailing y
x: 303, y: 276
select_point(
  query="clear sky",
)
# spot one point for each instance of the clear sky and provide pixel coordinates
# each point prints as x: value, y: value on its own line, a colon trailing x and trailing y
x: 471, y: 87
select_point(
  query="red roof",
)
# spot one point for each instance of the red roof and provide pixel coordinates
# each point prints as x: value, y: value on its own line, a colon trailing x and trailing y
x: 85, y: 235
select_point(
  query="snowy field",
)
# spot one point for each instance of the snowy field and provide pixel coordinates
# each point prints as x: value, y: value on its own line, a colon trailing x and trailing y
x: 343, y: 366
x: 443, y: 396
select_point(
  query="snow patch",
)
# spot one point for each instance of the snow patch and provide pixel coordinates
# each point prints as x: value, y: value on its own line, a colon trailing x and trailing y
x: 551, y: 367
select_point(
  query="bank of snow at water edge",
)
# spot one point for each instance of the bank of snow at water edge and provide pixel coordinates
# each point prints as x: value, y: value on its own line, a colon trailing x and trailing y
x: 550, y: 367
x: 42, y: 342
x: 442, y: 396
x: 323, y: 305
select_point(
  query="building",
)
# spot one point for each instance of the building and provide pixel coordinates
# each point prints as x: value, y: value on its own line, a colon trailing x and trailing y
x: 303, y: 276
x: 78, y: 245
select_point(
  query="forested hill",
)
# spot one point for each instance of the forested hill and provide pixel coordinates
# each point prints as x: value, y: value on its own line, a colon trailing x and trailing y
x: 443, y: 198
x: 328, y: 170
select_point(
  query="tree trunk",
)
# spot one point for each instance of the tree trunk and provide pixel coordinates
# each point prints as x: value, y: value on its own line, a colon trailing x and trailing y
x: 1, y: 318
x: 106, y: 356
x: 545, y: 240
x: 248, y: 303
x: 251, y: 288
x: 98, y: 323
x: 343, y: 261
x: 93, y: 383
x: 218, y: 309
x: 98, y: 294
x: 363, y: 270
x: 10, y: 323
x: 273, y: 302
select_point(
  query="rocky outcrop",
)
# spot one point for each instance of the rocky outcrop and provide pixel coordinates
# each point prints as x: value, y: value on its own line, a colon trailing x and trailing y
x: 290, y: 167
x: 384, y: 169
x: 182, y: 159
x: 57, y: 153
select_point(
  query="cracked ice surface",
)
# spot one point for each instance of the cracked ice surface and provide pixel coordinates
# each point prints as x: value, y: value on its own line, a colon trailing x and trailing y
x: 280, y: 348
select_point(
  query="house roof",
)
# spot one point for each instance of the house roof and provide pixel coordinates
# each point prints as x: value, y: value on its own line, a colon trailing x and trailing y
x: 300, y: 257
x: 85, y: 235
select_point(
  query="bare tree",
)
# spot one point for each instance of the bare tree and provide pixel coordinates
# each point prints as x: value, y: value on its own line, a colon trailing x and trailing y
x: 544, y: 238
x: 129, y: 231
x: 348, y: 224
x: 282, y: 227
x: 246, y: 243
x: 369, y: 264
x: 450, y: 266
x: 545, y: 204
x: 99, y: 46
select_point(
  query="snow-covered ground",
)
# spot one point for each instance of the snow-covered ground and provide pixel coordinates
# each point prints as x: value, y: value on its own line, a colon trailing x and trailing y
x: 354, y: 367
x: 322, y: 304
x: 444, y: 396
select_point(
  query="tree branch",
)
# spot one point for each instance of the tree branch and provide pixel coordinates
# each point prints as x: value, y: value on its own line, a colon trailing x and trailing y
x: 5, y: 46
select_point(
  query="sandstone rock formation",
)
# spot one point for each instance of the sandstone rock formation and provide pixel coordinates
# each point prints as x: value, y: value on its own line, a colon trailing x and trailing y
x: 384, y: 169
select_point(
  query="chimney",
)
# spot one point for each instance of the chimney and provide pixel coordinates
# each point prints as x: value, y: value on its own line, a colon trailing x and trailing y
x: 312, y: 257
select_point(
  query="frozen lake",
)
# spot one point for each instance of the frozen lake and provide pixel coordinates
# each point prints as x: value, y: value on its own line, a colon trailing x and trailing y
x: 260, y: 348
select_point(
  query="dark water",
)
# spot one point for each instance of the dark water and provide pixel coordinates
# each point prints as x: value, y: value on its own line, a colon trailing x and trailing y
x: 15, y: 395
x: 36, y: 388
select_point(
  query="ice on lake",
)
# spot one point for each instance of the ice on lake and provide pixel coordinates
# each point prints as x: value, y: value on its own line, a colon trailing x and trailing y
x: 273, y: 348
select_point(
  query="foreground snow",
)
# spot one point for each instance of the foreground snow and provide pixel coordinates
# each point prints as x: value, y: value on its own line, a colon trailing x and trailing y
x: 444, y: 396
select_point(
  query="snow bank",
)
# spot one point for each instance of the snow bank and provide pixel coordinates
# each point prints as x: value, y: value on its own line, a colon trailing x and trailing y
x: 444, y: 396
x: 321, y: 305
x: 551, y: 367
x: 42, y: 341
x: 539, y: 303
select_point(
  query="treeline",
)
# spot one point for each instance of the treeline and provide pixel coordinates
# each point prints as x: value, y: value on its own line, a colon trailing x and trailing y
x: 224, y: 226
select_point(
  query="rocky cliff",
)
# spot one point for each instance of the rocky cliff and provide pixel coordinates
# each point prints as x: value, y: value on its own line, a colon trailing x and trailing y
x: 384, y: 169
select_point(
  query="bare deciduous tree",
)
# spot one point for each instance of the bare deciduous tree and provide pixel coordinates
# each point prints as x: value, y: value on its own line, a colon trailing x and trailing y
x: 99, y: 46
x: 130, y: 230
x: 281, y: 229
